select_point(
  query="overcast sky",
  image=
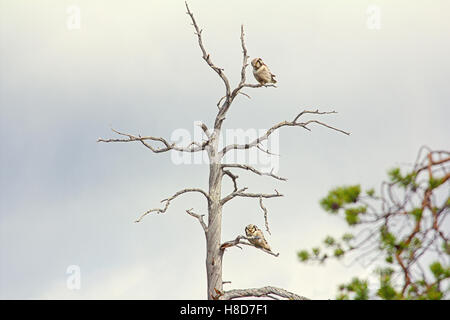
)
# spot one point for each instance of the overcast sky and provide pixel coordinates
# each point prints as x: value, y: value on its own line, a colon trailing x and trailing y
x: 136, y: 66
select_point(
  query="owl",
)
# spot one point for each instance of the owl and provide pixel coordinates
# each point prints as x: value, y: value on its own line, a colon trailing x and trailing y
x: 253, y: 231
x: 261, y: 72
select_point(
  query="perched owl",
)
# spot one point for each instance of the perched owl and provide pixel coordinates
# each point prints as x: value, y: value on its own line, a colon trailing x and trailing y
x: 253, y: 231
x: 261, y: 72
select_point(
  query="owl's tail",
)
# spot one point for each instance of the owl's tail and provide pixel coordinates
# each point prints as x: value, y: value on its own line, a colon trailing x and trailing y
x: 273, y: 79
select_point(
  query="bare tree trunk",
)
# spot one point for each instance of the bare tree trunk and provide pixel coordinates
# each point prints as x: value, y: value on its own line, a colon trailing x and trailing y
x: 213, y: 235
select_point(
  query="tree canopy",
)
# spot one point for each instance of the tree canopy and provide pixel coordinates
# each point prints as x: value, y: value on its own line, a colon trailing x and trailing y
x: 400, y: 229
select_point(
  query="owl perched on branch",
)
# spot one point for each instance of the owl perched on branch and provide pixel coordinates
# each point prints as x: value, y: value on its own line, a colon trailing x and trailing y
x: 261, y: 72
x: 259, y: 241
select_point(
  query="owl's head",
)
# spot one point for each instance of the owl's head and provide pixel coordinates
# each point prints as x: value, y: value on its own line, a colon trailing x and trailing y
x: 256, y: 63
x: 250, y: 230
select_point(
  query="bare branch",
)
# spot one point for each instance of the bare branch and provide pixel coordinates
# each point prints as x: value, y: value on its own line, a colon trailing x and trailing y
x: 168, y: 200
x: 266, y: 151
x: 293, y: 123
x: 267, y: 85
x: 205, y: 129
x: 244, y: 94
x: 242, y: 193
x: 260, y: 195
x: 312, y: 112
x: 322, y: 124
x: 232, y: 176
x: 232, y: 195
x: 244, y: 58
x: 265, y: 215
x: 229, y: 97
x: 192, y: 147
x: 199, y: 218
x: 221, y: 99
x: 261, y: 292
x: 206, y: 55
x: 254, y: 170
x: 240, y: 240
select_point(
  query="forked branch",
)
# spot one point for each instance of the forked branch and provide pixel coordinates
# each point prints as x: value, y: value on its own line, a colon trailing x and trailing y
x: 168, y: 200
x: 199, y: 217
x: 233, y: 177
x: 293, y: 123
x: 167, y: 146
x: 242, y: 193
x: 206, y: 55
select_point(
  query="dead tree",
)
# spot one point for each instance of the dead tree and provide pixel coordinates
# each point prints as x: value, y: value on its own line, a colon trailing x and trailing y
x: 217, y: 170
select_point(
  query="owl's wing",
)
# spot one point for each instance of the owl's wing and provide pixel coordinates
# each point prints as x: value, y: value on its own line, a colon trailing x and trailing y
x: 273, y: 78
x: 264, y: 74
x: 262, y: 241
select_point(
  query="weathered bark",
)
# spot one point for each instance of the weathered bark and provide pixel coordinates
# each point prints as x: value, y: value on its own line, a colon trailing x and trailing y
x: 269, y: 292
x: 213, y: 235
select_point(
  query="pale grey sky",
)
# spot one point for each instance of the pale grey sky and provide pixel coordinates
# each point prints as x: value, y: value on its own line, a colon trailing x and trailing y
x: 136, y: 66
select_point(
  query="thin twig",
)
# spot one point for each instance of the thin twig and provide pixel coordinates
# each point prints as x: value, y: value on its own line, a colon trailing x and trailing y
x: 254, y: 170
x: 199, y: 218
x: 206, y: 55
x: 265, y: 214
